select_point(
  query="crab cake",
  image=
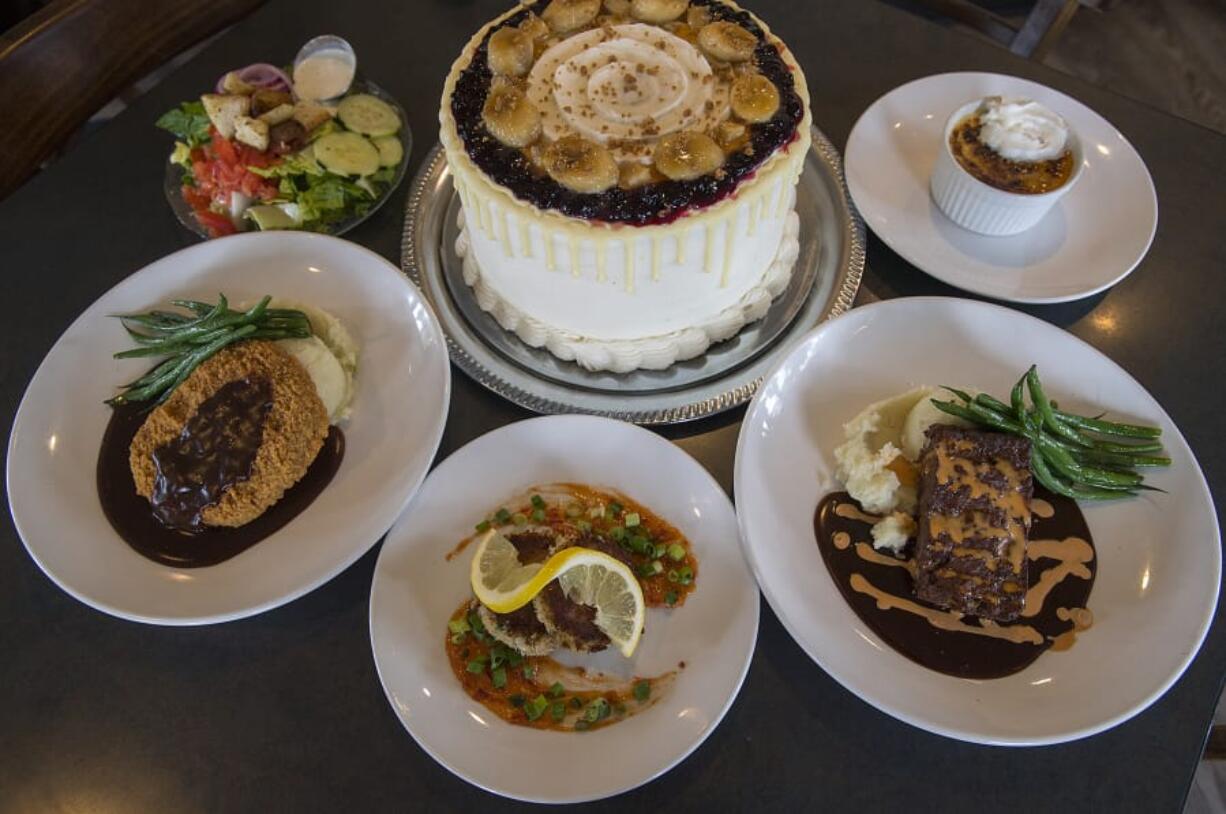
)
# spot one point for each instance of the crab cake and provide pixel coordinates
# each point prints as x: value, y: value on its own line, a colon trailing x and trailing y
x: 522, y: 629
x: 573, y: 624
x: 283, y: 411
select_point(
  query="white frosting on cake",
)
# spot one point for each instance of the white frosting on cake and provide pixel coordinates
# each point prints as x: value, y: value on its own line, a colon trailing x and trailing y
x: 1021, y: 129
x: 708, y: 320
x: 623, y: 84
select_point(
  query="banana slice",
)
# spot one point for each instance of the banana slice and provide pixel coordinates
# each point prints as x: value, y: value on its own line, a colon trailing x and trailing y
x: 510, y: 117
x: 368, y: 115
x: 564, y: 16
x: 347, y: 154
x: 754, y: 98
x: 509, y: 52
x: 726, y: 41
x: 658, y: 11
x: 633, y: 174
x: 580, y: 165
x: 687, y: 155
x: 534, y: 27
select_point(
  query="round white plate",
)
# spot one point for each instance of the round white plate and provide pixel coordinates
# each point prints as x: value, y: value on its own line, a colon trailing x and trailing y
x: 1093, y: 237
x: 403, y: 390
x: 1159, y: 558
x: 416, y: 590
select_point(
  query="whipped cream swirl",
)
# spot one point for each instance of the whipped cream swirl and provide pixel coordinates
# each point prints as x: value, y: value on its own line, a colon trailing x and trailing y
x: 625, y: 87
x: 1022, y: 129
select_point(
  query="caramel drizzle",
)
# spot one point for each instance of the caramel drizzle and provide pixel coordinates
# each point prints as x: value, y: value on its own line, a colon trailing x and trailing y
x: 550, y: 262
x: 681, y: 241
x: 574, y: 255
x: 628, y: 251
x: 849, y: 511
x: 945, y: 620
x: 841, y: 540
x: 505, y: 230
x: 962, y: 474
x: 655, y: 259
x: 708, y: 246
x: 1072, y: 552
x: 1041, y: 508
x: 869, y: 554
x: 525, y: 239
x: 600, y: 247
x: 728, y: 235
x: 754, y: 209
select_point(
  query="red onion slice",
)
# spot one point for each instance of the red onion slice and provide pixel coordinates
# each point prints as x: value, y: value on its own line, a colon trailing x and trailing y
x: 261, y: 75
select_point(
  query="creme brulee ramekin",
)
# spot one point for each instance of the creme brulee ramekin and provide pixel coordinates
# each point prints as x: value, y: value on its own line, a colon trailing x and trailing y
x: 982, y: 208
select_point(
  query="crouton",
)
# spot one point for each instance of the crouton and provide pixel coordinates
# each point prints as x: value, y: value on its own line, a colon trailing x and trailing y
x: 224, y: 110
x: 311, y: 115
x: 264, y: 100
x: 280, y: 113
x: 232, y: 83
x: 252, y: 132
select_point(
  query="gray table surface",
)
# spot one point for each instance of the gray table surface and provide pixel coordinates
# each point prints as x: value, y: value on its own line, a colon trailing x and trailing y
x: 284, y: 711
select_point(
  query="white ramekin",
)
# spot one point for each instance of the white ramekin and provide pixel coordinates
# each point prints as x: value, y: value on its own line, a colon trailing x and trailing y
x: 982, y: 208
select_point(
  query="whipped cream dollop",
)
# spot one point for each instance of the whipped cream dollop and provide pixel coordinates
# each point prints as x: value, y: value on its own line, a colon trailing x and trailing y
x: 625, y: 87
x: 1022, y: 129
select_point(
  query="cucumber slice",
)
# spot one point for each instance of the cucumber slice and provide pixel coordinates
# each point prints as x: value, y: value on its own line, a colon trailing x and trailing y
x: 347, y: 154
x: 368, y: 115
x: 267, y: 216
x: 390, y: 150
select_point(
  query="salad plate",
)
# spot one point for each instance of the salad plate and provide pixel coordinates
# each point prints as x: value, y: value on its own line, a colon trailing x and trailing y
x: 706, y: 643
x: 1157, y: 554
x: 1093, y: 237
x: 217, y: 186
x: 398, y: 409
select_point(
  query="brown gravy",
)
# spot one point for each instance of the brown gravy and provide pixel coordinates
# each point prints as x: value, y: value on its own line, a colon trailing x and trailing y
x: 882, y: 593
x: 133, y: 518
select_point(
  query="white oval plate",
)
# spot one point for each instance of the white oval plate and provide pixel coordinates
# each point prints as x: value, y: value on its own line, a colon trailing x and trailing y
x: 1090, y: 240
x: 1159, y: 558
x: 403, y: 390
x: 415, y: 592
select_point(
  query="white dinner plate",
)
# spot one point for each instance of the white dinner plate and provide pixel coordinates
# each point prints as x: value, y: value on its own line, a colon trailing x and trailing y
x: 400, y: 406
x: 1159, y: 558
x: 1093, y: 237
x: 416, y: 591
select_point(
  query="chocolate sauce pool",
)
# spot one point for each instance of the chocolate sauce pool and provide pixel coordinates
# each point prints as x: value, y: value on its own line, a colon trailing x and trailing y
x: 133, y: 517
x: 965, y: 655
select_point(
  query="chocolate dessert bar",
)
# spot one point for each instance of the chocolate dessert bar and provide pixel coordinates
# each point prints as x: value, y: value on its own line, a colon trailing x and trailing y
x: 974, y: 519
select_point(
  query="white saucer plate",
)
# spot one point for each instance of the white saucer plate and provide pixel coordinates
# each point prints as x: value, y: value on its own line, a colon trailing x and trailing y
x: 400, y: 407
x: 1159, y: 558
x: 416, y: 591
x: 1092, y: 238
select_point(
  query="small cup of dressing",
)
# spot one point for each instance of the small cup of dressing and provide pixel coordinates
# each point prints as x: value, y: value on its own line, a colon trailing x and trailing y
x: 324, y: 69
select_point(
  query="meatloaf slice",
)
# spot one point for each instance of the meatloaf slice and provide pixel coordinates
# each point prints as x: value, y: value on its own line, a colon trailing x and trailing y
x: 974, y: 519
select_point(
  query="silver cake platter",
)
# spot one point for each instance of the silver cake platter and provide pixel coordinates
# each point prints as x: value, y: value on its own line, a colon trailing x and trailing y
x: 823, y: 284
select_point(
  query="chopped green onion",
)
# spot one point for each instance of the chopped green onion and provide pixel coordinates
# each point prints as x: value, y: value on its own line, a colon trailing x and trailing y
x: 476, y: 666
x: 497, y: 656
x: 672, y: 575
x: 670, y: 598
x: 633, y: 519
x: 456, y: 638
x: 502, y: 516
x: 459, y: 626
x: 576, y: 702
x: 538, y: 515
x: 483, y: 526
x: 574, y: 510
x: 638, y: 544
x: 597, y: 710
x: 557, y: 690
x: 657, y: 567
x: 536, y: 707
x: 499, y: 677
x: 516, y: 700
x: 583, y: 525
x: 618, y: 533
x: 676, y: 552
x: 685, y: 575
x: 515, y: 658
x: 538, y: 502
x: 529, y: 671
x: 659, y: 550
x: 519, y: 519
x: 616, y: 507
x: 642, y: 690
x: 558, y: 710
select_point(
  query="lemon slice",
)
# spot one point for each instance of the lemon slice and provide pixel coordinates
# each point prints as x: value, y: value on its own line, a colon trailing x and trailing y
x: 503, y: 584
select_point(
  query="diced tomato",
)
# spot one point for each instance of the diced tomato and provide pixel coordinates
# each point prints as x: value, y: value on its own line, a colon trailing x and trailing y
x: 216, y: 225
x: 224, y: 149
x: 195, y: 198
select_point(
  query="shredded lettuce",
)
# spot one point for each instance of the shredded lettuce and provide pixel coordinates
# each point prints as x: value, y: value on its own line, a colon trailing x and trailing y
x: 188, y: 122
x: 300, y: 163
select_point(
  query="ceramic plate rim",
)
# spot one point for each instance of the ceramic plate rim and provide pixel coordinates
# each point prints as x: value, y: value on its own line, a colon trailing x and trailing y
x: 975, y: 288
x: 609, y: 790
x: 386, y: 268
x: 884, y: 704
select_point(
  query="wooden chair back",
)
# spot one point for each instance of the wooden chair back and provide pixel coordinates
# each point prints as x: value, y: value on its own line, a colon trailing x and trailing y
x: 65, y: 62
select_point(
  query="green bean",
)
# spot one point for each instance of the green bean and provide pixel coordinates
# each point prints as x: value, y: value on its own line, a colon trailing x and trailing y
x: 1018, y: 400
x: 985, y: 418
x: 1110, y: 427
x: 1039, y: 398
x: 1118, y: 459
